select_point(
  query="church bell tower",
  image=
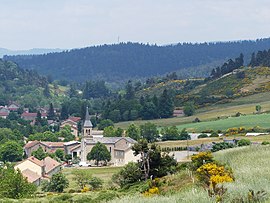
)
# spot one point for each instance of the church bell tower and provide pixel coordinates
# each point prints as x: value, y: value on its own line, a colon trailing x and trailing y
x: 87, y: 135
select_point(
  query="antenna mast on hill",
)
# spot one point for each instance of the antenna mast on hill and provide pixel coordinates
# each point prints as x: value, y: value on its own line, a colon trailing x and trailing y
x: 118, y: 39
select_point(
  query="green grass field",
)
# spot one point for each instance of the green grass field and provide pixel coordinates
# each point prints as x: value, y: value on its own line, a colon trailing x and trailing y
x: 244, y: 105
x: 105, y: 173
x: 249, y: 121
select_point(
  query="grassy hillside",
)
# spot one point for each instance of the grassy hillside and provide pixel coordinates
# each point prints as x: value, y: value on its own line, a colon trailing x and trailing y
x: 251, y: 169
x: 244, y: 105
x: 249, y: 121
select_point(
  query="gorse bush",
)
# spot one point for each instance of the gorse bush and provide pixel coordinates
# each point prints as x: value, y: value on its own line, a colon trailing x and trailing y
x: 199, y: 159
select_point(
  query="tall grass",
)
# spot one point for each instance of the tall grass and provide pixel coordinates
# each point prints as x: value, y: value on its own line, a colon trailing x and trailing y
x: 251, y: 168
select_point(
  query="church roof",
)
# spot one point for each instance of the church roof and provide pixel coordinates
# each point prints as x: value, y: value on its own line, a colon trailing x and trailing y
x: 87, y: 121
x: 109, y: 140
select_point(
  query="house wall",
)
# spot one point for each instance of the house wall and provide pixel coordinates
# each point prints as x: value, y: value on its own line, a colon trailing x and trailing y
x: 29, y: 165
x: 110, y: 148
x: 130, y: 157
x: 122, y: 144
x: 55, y: 170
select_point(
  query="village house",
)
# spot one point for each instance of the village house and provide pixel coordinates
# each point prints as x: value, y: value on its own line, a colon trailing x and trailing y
x: 119, y: 147
x: 73, y: 123
x: 35, y: 170
x: 178, y: 113
x: 13, y: 106
x: 32, y: 116
x: 4, y: 114
x: 49, y: 147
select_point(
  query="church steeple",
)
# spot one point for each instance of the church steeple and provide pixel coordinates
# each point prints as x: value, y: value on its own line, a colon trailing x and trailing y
x: 87, y: 121
x: 87, y: 126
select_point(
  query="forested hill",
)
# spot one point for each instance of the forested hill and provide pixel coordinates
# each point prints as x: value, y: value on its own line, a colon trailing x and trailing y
x: 16, y: 83
x: 130, y: 60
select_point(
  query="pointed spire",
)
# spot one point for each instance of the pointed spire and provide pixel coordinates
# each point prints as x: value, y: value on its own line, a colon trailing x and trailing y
x: 87, y: 121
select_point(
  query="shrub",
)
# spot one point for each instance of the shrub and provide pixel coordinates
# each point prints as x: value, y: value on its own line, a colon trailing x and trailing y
x: 105, y: 196
x: 71, y: 191
x: 85, y: 189
x: 199, y: 159
x: 221, y: 146
x: 243, y: 142
x: 203, y: 135
x: 131, y: 173
x: 265, y: 143
x: 95, y: 183
x: 214, y: 134
x: 81, y: 177
x: 212, y: 174
x: 62, y: 198
x: 57, y: 183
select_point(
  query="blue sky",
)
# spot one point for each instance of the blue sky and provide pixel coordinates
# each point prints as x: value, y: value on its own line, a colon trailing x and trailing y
x: 26, y: 24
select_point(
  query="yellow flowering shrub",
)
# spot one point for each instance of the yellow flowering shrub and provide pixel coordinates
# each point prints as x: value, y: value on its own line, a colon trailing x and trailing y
x: 85, y: 189
x: 152, y: 191
x: 199, y: 159
x: 212, y: 174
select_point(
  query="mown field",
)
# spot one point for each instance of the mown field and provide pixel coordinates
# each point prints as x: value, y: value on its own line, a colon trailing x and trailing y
x: 244, y: 105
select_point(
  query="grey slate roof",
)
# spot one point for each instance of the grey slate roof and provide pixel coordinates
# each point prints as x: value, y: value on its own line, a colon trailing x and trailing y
x: 87, y: 121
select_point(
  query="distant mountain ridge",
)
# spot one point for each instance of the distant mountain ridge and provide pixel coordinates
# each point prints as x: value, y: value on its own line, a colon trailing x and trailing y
x: 4, y: 51
x: 118, y: 62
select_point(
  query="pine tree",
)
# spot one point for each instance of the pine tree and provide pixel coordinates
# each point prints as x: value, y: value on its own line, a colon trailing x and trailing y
x: 51, y: 114
x: 46, y: 91
x: 130, y: 93
x: 64, y: 112
x: 166, y: 105
x: 38, y: 119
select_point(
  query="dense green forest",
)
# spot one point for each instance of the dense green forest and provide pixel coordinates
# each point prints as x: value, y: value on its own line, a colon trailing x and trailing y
x: 116, y: 62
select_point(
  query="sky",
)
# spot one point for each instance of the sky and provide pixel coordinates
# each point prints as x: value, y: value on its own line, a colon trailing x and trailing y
x: 26, y: 24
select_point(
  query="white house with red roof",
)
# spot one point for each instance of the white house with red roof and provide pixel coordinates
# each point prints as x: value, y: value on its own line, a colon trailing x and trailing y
x: 49, y: 147
x: 35, y: 170
x: 73, y: 123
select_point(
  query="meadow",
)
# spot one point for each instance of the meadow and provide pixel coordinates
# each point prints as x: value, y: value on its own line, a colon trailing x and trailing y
x: 105, y: 173
x: 248, y: 121
x: 251, y: 169
x: 244, y: 105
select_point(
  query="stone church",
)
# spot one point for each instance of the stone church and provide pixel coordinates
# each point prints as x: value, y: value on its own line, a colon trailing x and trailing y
x: 119, y: 147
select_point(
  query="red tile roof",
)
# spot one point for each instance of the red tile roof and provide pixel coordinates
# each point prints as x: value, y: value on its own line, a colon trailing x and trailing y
x: 50, y: 164
x: 4, y: 113
x: 74, y: 119
x: 53, y: 144
x: 31, y: 144
x: 30, y: 175
x: 35, y: 161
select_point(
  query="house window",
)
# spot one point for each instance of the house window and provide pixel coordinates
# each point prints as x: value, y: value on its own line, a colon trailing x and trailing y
x: 110, y: 149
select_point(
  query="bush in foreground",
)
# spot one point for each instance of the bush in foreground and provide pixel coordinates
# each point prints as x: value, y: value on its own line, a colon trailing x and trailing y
x: 243, y: 142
